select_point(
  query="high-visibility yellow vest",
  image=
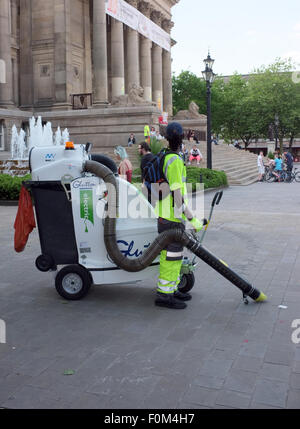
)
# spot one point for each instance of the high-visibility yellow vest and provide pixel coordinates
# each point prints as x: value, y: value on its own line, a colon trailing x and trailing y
x: 146, y: 131
x: 175, y: 173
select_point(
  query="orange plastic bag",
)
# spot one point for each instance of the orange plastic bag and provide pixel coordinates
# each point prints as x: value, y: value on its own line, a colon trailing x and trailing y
x: 25, y: 221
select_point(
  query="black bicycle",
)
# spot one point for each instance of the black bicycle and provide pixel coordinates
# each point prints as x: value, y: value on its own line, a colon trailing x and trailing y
x: 276, y: 176
x: 292, y: 176
x: 268, y: 173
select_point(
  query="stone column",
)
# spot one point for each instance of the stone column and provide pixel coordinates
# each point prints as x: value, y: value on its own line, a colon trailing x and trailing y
x: 167, y: 73
x: 88, y: 49
x: 145, y: 56
x: 117, y: 58
x: 132, y: 54
x: 146, y: 67
x: 100, y: 83
x: 157, y: 80
x: 62, y: 54
x: 26, y: 64
x: 6, y: 92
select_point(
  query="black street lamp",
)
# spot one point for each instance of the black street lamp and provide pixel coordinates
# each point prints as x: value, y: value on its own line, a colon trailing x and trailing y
x: 209, y: 77
x: 276, y: 131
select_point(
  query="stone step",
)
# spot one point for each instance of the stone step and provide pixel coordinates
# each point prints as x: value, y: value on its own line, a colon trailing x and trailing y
x: 245, y: 180
x: 234, y: 168
x: 233, y: 164
x: 240, y: 175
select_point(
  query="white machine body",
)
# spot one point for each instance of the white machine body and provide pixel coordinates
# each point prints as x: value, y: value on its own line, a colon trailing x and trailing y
x: 57, y: 163
x: 136, y: 223
x: 136, y: 229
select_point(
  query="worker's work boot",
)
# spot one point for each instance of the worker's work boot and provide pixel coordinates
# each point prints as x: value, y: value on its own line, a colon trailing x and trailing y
x: 169, y: 301
x: 182, y: 296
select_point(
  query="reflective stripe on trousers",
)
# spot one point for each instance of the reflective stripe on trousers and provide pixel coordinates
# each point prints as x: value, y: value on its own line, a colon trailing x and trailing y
x: 174, y: 256
x: 169, y: 274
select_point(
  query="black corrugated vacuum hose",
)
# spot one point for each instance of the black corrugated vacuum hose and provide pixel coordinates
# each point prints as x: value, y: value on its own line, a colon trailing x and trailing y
x: 160, y: 243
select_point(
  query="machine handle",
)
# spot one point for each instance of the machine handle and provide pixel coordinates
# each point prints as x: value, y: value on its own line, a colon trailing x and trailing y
x: 219, y: 198
x: 88, y: 147
x: 215, y: 199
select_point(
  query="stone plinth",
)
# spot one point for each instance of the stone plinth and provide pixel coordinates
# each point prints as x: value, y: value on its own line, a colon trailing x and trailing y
x: 194, y: 124
x: 106, y: 127
x: 271, y: 146
x: 14, y: 167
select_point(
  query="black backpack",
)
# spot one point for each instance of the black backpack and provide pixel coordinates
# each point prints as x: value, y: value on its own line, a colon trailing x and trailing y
x: 153, y: 173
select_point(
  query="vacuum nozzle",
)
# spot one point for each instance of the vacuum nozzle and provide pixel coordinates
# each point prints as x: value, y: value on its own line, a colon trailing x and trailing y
x: 262, y: 297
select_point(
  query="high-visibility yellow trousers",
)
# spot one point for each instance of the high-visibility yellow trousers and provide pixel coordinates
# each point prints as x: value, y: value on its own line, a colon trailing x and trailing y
x: 169, y: 272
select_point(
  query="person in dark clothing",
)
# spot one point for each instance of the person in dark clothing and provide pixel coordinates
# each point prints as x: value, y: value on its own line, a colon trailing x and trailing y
x: 147, y: 156
x: 192, y: 137
x: 237, y: 145
x: 131, y: 140
x: 289, y: 162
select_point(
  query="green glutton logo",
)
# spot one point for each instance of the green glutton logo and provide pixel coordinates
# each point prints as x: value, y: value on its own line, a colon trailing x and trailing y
x: 86, y: 207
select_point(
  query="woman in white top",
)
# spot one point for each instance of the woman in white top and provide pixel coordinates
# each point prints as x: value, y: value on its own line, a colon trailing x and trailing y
x: 260, y: 165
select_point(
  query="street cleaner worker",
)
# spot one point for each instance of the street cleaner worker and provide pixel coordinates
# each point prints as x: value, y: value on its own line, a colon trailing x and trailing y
x: 147, y: 133
x: 172, y: 211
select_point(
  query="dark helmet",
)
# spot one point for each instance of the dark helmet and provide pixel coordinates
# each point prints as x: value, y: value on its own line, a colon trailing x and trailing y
x: 174, y: 129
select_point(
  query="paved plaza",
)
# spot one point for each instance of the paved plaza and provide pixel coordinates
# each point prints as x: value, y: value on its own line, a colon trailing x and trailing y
x: 123, y: 352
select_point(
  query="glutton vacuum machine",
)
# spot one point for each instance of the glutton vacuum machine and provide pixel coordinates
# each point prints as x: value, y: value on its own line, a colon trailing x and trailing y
x: 89, y: 233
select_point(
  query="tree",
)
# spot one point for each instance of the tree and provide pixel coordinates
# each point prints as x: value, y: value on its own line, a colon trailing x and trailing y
x: 276, y: 94
x: 188, y: 87
x: 244, y: 109
x: 235, y: 112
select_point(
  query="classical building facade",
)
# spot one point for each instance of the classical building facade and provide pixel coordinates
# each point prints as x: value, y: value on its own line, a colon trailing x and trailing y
x: 102, y: 68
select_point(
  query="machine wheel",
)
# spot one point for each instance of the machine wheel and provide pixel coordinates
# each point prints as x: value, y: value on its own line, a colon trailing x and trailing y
x: 44, y: 263
x: 187, y: 282
x: 73, y: 282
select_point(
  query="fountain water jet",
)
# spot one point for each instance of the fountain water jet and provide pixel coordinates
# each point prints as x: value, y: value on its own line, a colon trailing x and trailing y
x: 39, y: 135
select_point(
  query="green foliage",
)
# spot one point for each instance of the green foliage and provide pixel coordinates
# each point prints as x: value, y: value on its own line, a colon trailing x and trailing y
x: 271, y: 155
x: 136, y: 179
x: 137, y: 172
x: 188, y: 87
x: 156, y: 146
x: 276, y: 93
x: 210, y: 178
x: 10, y: 186
x: 243, y: 109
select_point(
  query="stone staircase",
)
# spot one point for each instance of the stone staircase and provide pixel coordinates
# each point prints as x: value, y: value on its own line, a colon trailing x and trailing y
x: 240, y: 166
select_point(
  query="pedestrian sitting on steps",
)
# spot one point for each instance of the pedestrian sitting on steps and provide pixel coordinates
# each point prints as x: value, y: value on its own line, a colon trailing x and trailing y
x: 195, y: 154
